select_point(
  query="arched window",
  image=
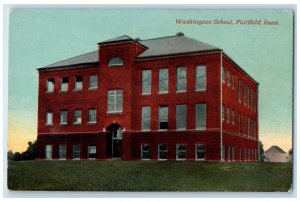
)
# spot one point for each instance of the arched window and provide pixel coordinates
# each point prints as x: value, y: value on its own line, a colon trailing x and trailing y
x: 115, y: 61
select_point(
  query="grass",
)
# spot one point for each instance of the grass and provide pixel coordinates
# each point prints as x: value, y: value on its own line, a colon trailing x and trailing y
x: 148, y: 176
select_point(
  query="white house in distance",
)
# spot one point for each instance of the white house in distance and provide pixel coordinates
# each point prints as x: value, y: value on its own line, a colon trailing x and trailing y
x: 275, y: 154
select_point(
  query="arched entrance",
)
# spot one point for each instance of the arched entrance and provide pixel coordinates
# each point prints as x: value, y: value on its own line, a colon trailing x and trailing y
x: 114, y: 141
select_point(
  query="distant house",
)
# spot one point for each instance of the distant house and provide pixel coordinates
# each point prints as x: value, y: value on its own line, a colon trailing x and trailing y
x: 275, y: 154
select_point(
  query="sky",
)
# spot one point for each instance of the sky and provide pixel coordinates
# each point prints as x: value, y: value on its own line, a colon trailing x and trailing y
x: 39, y: 37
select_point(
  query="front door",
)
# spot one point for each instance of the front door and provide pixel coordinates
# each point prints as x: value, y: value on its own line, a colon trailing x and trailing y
x: 117, y: 143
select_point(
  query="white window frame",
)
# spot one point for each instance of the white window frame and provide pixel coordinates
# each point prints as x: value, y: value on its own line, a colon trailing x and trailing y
x: 228, y: 153
x: 159, y: 150
x: 233, y: 153
x: 115, y: 94
x: 75, y: 152
x: 145, y: 151
x: 199, y: 150
x: 91, y: 116
x: 177, y: 152
x: 62, y: 116
x: 233, y: 81
x: 62, y: 152
x: 49, y: 119
x: 64, y: 86
x: 77, y: 120
x: 48, y: 152
x: 93, y: 82
x: 146, y: 82
x: 160, y: 119
x: 223, y: 112
x: 184, y: 78
x: 183, y: 116
x: 115, y: 61
x: 145, y: 118
x: 228, y: 114
x: 228, y: 78
x: 232, y: 116
x: 50, y: 85
x: 198, y: 122
x: 199, y: 78
x: 78, y: 84
x: 223, y: 74
x: 162, y: 80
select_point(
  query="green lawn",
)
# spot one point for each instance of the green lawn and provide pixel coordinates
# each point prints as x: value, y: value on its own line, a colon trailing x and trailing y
x: 148, y: 176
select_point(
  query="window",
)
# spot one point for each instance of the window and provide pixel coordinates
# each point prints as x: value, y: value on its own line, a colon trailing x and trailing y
x: 146, y: 79
x: 201, y: 116
x: 115, y: 61
x: 255, y: 155
x: 232, y: 116
x: 233, y: 153
x: 76, y: 151
x: 254, y: 129
x: 228, y: 114
x: 181, y: 79
x: 180, y: 151
x: 93, y: 83
x: 92, y: 151
x: 78, y: 83
x: 49, y: 118
x: 233, y: 81
x: 228, y: 153
x: 50, y: 85
x: 245, y: 125
x: 245, y: 154
x: 180, y: 117
x: 248, y: 126
x: 223, y: 153
x: 145, y: 151
x: 64, y: 84
x: 146, y: 118
x: 228, y: 78
x: 223, y: 115
x: 240, y: 90
x: 92, y: 116
x: 63, y: 117
x: 62, y: 151
x: 200, y: 152
x: 163, y: 118
x: 248, y: 95
x: 77, y: 117
x: 249, y: 154
x: 48, y: 152
x: 163, y: 80
x: 200, y: 78
x: 115, y: 101
x: 240, y: 154
x: 239, y: 122
x: 223, y: 74
x: 245, y: 94
x: 162, y: 152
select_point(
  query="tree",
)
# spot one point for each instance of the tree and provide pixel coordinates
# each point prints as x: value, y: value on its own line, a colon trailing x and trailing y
x: 10, y: 155
x: 261, y: 151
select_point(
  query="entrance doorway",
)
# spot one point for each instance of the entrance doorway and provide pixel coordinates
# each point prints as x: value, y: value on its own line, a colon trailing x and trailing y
x: 114, y: 141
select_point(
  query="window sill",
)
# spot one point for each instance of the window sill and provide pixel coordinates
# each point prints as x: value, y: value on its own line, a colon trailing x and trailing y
x: 77, y: 123
x: 77, y: 90
x: 180, y: 129
x: 146, y: 93
x: 162, y: 159
x: 76, y: 159
x: 162, y: 129
x: 181, y: 159
x: 115, y: 65
x: 63, y: 124
x: 181, y: 91
x: 163, y: 92
x: 92, y: 123
x: 62, y: 159
x: 200, y: 128
x: 200, y: 90
x: 145, y: 159
x: 93, y: 88
x: 146, y: 130
x: 63, y: 91
x: 49, y: 92
x: 49, y: 124
x: 200, y: 159
x: 114, y: 112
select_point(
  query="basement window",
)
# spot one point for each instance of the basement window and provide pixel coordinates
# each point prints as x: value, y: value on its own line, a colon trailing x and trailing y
x: 115, y: 61
x: 48, y: 152
x: 200, y: 152
x: 92, y: 151
x: 162, y: 152
x: 145, y: 151
x: 163, y: 118
x: 78, y: 83
x: 180, y: 152
x: 62, y: 152
x: 76, y: 151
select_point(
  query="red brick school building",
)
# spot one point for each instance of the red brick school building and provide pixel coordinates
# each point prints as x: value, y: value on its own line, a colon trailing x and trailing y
x: 168, y: 98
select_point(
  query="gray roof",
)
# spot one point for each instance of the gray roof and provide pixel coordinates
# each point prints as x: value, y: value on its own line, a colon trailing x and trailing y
x: 275, y: 149
x: 163, y: 46
x: 88, y: 58
x: 117, y: 39
x: 173, y: 45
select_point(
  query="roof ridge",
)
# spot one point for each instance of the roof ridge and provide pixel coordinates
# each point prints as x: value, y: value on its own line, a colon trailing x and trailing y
x: 162, y: 37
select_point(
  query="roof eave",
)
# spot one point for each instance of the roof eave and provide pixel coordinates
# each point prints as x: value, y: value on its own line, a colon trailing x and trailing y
x: 67, y: 66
